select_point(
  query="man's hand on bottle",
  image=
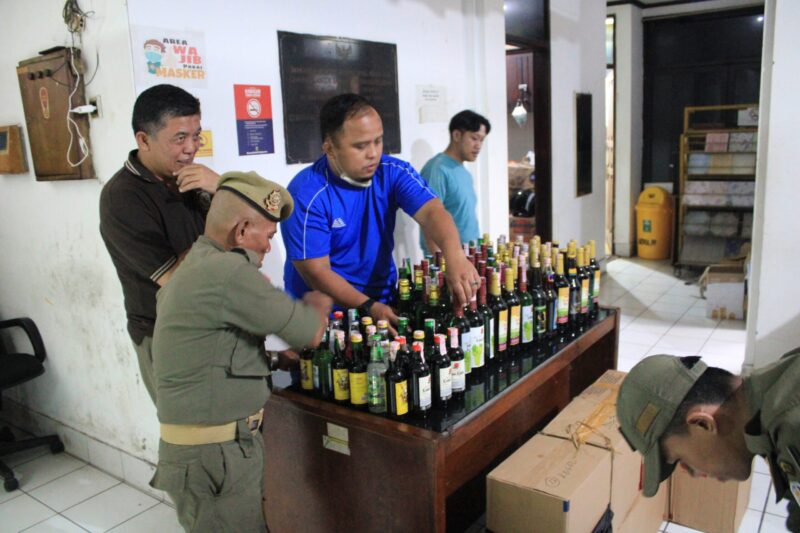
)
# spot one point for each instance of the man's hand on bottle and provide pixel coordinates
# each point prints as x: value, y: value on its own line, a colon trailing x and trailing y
x: 287, y: 359
x: 380, y: 311
x: 462, y: 279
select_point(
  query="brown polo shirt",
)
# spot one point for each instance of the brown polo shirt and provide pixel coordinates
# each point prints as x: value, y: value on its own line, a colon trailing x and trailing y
x: 145, y: 227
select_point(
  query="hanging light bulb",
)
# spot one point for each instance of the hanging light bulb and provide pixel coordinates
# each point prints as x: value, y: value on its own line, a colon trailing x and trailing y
x: 519, y: 113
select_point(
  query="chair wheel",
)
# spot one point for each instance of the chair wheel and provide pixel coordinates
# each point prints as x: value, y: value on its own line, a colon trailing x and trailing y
x: 6, y: 435
x: 11, y: 484
x: 57, y: 447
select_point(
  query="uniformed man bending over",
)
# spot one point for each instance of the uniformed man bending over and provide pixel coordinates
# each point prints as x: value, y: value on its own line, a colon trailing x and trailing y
x: 209, y: 358
x: 676, y: 409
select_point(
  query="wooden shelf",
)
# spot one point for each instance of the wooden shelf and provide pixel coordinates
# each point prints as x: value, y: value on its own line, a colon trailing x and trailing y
x: 693, y: 141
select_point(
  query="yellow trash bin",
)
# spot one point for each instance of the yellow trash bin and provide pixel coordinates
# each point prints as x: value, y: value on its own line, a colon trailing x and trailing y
x: 654, y: 223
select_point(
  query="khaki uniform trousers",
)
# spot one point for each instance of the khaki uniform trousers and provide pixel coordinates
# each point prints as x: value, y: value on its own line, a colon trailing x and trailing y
x: 144, y: 353
x: 215, y: 487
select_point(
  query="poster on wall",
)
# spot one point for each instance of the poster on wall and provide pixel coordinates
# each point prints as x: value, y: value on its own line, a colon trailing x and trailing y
x: 168, y: 56
x: 254, y: 119
x: 206, y: 144
x: 314, y: 68
x: 432, y: 103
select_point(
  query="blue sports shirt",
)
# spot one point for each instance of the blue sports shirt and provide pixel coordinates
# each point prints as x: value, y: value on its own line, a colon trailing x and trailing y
x: 352, y: 225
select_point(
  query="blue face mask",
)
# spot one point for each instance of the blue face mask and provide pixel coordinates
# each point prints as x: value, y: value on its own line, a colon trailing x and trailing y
x: 152, y: 57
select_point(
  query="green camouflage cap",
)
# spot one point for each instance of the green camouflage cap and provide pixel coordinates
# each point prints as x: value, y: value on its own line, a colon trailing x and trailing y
x: 647, y: 401
x: 267, y: 197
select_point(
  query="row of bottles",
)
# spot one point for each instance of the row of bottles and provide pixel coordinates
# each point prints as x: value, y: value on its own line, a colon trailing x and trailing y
x: 531, y: 296
x: 393, y: 379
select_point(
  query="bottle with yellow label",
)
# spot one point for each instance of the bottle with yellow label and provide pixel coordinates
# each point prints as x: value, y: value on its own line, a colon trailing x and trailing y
x: 500, y: 318
x: 307, y: 370
x: 562, y: 293
x: 396, y: 385
x: 341, y: 370
x: 584, y: 279
x: 358, y: 373
x: 514, y: 309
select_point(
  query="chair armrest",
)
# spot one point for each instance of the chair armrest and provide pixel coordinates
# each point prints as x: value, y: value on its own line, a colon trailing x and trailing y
x: 29, y: 326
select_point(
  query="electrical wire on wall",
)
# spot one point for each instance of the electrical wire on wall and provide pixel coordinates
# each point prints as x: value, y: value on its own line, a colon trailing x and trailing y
x: 75, y: 19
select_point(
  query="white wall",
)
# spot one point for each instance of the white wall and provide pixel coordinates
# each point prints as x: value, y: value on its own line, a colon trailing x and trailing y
x: 55, y: 268
x: 629, y: 74
x: 773, y: 324
x: 577, y: 57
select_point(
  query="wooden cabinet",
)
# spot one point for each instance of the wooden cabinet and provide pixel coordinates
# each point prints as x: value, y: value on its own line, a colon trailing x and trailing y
x: 330, y: 468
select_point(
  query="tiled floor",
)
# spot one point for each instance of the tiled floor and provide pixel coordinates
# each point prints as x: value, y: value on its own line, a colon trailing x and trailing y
x: 660, y: 314
x: 59, y: 493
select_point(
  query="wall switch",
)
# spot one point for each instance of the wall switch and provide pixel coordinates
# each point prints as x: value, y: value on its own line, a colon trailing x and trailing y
x: 98, y: 112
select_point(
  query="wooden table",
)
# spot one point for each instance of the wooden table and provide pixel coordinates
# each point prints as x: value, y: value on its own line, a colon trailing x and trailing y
x: 330, y: 468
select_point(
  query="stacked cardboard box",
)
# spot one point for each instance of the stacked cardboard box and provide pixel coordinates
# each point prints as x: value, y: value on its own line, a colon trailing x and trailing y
x: 563, y: 479
x: 707, y: 504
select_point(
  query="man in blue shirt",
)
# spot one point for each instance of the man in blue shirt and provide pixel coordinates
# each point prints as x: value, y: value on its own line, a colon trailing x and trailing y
x: 447, y: 176
x: 340, y: 237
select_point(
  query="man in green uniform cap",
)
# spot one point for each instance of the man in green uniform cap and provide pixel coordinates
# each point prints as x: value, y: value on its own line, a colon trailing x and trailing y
x: 678, y: 410
x: 210, y: 363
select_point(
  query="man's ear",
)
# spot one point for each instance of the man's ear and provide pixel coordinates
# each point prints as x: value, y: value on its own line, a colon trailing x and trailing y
x: 238, y: 232
x: 456, y: 136
x: 700, y: 419
x: 327, y: 146
x: 142, y: 141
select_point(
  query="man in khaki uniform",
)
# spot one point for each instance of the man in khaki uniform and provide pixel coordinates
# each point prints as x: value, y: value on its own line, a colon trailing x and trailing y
x: 676, y: 409
x: 209, y: 359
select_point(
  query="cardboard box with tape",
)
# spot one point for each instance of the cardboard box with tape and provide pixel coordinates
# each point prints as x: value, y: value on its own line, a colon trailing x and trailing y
x: 563, y: 480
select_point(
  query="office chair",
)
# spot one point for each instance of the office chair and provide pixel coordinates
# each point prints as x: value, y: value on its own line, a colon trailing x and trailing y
x: 16, y: 368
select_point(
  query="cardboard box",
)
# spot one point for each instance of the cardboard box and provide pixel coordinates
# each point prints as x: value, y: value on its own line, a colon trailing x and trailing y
x: 646, y: 514
x: 548, y: 485
x: 708, y: 504
x: 591, y: 420
x: 724, y: 291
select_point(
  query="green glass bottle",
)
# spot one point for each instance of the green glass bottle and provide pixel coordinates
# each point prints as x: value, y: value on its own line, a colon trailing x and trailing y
x: 376, y: 379
x: 321, y: 363
x: 340, y: 370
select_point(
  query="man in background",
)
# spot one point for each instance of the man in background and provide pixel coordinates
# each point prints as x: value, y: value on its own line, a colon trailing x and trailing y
x: 451, y: 181
x: 154, y: 207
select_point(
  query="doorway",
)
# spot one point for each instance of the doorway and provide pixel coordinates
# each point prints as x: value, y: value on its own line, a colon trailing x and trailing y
x: 529, y: 113
x: 611, y: 91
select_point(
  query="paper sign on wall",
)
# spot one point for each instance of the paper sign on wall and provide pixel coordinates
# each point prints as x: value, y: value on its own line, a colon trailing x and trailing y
x: 168, y: 56
x: 254, y: 119
x: 432, y: 103
x: 206, y: 144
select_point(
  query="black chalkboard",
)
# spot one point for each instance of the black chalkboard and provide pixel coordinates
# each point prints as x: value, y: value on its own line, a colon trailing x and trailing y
x: 314, y: 68
x: 583, y: 127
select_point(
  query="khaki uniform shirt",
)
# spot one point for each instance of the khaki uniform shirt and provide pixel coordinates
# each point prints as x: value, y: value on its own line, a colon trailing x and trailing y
x: 773, y: 400
x: 208, y: 346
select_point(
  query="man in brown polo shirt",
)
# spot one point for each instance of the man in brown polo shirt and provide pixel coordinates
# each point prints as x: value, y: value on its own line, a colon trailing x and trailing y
x: 154, y: 208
